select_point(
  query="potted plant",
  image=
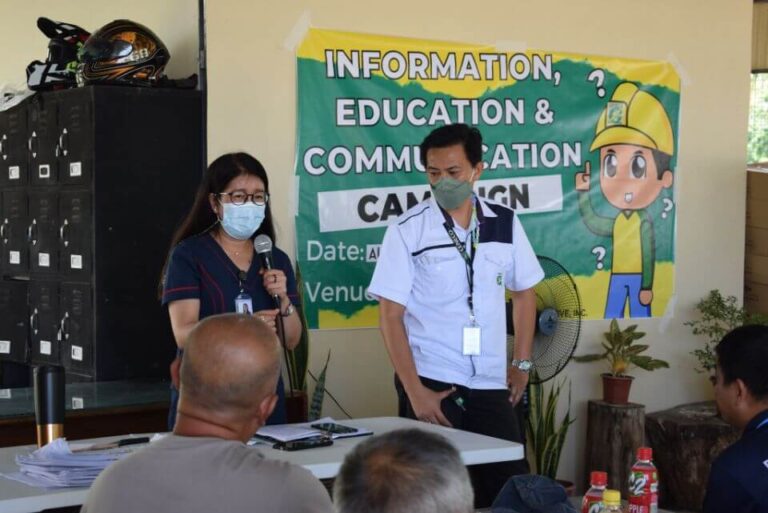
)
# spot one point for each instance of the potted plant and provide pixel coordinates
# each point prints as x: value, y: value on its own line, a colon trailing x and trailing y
x: 545, y: 433
x: 298, y: 407
x: 719, y: 315
x: 621, y: 353
x: 297, y: 362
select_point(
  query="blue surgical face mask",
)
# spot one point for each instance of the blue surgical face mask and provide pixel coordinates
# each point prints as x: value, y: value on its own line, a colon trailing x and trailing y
x: 242, y: 221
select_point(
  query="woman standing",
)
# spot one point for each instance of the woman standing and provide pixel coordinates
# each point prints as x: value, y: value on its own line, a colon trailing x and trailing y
x: 211, y: 266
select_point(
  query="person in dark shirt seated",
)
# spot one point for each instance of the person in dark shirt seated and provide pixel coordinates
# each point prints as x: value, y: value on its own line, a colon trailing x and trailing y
x: 738, y: 481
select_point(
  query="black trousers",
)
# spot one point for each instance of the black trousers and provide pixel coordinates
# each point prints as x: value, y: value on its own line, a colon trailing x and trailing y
x: 487, y: 412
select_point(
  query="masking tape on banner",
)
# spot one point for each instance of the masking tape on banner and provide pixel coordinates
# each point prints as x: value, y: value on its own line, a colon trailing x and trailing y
x: 685, y: 78
x: 294, y: 206
x: 669, y: 313
x: 297, y: 33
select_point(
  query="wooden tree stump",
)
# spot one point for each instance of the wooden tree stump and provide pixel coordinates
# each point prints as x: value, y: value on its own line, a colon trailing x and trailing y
x: 614, y: 432
x: 686, y: 440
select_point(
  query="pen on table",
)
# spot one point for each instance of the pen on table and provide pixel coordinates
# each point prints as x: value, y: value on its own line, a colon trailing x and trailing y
x: 115, y: 444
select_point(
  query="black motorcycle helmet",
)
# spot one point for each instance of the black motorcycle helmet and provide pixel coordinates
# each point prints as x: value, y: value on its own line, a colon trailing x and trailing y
x: 58, y: 70
x: 124, y: 53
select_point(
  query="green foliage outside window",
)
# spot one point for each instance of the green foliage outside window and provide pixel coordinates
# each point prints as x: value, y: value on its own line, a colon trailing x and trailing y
x: 757, y: 137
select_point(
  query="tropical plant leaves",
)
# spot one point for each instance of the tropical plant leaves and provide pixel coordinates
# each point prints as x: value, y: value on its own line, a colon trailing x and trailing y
x: 316, y: 405
x: 719, y: 315
x: 621, y: 352
x: 298, y: 358
x: 546, y: 434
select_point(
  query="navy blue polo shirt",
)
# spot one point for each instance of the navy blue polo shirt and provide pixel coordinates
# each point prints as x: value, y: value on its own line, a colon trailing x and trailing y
x: 200, y: 269
x: 738, y: 481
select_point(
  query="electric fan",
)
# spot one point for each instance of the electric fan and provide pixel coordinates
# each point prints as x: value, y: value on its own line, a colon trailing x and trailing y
x: 558, y: 322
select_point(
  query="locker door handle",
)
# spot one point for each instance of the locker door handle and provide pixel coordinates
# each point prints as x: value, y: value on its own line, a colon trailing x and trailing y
x: 2, y: 147
x: 32, y: 232
x: 64, y: 327
x: 32, y: 145
x: 63, y: 232
x: 63, y: 142
x: 2, y: 230
x: 33, y: 321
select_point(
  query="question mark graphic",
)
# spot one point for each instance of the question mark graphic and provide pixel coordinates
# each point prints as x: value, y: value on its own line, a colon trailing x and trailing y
x: 668, y: 204
x: 599, y: 251
x: 598, y: 77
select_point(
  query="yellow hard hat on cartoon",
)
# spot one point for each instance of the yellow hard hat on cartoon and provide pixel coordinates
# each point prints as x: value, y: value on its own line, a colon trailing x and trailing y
x: 634, y: 117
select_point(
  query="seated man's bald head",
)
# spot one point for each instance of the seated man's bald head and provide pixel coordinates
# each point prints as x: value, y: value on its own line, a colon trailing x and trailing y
x: 231, y: 363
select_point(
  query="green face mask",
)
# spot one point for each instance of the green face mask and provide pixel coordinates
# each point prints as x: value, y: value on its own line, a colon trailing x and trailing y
x: 451, y: 193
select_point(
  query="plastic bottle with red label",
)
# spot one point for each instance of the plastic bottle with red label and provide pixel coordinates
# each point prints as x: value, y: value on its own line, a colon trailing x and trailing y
x: 643, y: 484
x: 593, y: 499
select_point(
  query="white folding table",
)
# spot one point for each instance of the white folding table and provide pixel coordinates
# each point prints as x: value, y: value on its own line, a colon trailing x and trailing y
x: 323, y: 462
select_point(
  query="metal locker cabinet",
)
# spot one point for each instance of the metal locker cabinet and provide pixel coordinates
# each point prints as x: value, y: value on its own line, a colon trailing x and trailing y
x: 14, y: 168
x: 13, y: 321
x: 75, y: 235
x: 140, y: 164
x: 14, y: 222
x: 75, y: 140
x: 120, y: 169
x: 44, y: 343
x: 42, y: 138
x: 43, y: 232
x: 76, y: 327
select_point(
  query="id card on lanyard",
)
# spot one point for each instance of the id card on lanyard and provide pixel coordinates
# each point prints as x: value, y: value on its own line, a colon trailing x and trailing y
x: 471, y: 340
x: 472, y: 332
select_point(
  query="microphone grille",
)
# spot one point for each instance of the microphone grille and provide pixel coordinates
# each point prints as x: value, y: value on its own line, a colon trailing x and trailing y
x: 262, y: 244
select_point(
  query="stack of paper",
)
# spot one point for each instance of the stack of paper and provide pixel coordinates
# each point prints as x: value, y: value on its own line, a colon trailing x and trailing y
x: 287, y: 432
x: 290, y: 432
x: 56, y: 466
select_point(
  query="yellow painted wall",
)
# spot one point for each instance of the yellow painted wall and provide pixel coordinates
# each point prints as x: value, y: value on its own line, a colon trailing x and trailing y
x: 252, y: 107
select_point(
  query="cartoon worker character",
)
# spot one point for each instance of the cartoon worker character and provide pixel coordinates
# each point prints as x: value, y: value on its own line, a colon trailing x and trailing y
x: 636, y: 145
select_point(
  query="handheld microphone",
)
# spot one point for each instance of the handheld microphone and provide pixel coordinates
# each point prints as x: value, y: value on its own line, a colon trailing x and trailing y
x: 262, y: 245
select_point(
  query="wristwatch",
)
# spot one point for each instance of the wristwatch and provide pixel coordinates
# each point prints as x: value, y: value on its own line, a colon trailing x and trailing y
x: 288, y: 311
x: 522, y: 365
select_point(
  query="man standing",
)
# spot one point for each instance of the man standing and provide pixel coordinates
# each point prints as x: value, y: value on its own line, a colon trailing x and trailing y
x: 228, y: 379
x: 738, y: 481
x: 440, y: 280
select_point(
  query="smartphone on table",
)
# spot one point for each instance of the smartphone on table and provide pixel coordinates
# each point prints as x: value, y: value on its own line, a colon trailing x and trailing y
x: 305, y: 443
x: 333, y: 428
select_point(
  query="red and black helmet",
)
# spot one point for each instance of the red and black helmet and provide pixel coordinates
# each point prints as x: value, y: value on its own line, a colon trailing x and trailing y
x: 124, y: 53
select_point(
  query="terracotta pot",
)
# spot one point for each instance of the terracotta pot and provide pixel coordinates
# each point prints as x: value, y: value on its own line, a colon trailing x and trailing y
x: 616, y: 388
x: 296, y: 406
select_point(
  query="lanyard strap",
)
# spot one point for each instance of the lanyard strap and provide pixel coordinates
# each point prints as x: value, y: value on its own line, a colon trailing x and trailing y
x: 763, y: 423
x: 242, y: 276
x: 461, y: 248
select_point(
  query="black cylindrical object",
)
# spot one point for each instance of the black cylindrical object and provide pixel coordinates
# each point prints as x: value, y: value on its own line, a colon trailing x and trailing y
x: 49, y: 403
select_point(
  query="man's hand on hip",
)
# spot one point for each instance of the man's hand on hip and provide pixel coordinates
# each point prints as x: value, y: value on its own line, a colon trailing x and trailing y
x: 426, y: 405
x: 516, y: 381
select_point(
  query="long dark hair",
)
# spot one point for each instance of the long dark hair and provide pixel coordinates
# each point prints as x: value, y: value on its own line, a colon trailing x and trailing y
x: 201, y: 218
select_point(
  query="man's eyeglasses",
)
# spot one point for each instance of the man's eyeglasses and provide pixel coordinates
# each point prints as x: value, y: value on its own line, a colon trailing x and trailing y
x: 239, y: 198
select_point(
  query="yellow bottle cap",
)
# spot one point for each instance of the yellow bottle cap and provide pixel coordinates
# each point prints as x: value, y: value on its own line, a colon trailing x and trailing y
x: 612, y: 498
